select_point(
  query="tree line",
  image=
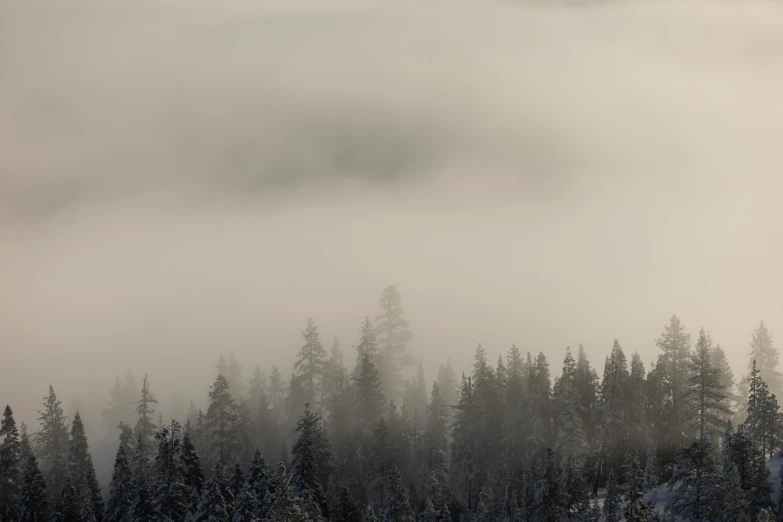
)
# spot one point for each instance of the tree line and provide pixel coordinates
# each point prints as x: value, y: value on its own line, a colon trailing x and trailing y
x: 363, y: 442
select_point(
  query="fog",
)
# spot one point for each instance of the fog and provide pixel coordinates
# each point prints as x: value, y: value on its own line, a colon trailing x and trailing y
x: 183, y: 179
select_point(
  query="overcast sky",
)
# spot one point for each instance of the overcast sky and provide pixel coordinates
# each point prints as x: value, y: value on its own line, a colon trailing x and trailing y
x: 180, y: 179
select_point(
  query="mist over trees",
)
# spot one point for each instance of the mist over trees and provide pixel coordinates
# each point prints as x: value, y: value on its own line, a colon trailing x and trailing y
x: 510, y: 440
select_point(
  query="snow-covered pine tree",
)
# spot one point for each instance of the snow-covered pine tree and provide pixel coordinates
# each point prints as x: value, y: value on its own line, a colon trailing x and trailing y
x: 611, y: 425
x: 613, y: 500
x: 219, y: 422
x: 369, y: 515
x: 142, y: 507
x: 570, y: 444
x: 81, y: 468
x: 429, y: 513
x: 10, y: 469
x: 696, y: 482
x: 636, y: 508
x: 392, y: 330
x: 369, y: 397
x: 118, y: 508
x: 212, y: 506
x: 549, y: 504
x: 735, y: 503
x: 259, y: 483
x: 284, y: 504
x: 68, y: 508
x: 398, y: 509
x: 347, y: 509
x: 170, y: 496
x: 311, y: 459
x: 52, y: 443
x: 34, y: 501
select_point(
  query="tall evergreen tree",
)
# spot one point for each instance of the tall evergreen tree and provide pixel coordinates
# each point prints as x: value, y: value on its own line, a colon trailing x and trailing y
x: 142, y: 507
x: 118, y: 508
x: 612, y: 428
x: 613, y: 500
x: 696, y: 482
x: 10, y: 469
x: 52, y: 443
x: 310, y: 362
x: 212, y: 506
x: 285, y: 505
x: 81, y: 469
x: 347, y: 509
x: 763, y: 351
x: 636, y: 509
x: 369, y: 397
x: 436, y: 440
x: 705, y: 395
x: 220, y: 419
x: 68, y: 507
x: 34, y: 502
x: 673, y: 363
x: 394, y: 335
x: 398, y: 508
x: 311, y: 460
x: 170, y: 495
x: 145, y: 410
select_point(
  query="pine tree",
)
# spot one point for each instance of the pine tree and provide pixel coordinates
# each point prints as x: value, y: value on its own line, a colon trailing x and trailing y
x: 310, y: 363
x: 246, y: 506
x: 118, y: 509
x: 705, y: 395
x: 613, y: 498
x: 285, y: 505
x: 763, y: 351
x: 276, y: 395
x: 734, y: 500
x: 259, y: 482
x: 611, y: 411
x: 170, y: 496
x: 144, y: 425
x: 192, y: 474
x: 369, y: 397
x: 10, y: 470
x: 398, y: 508
x: 347, y: 509
x: 220, y: 419
x: 393, y: 338
x: 549, y: 506
x: 429, y: 513
x: 636, y: 509
x: 52, y: 442
x: 673, y: 362
x: 212, y: 506
x: 436, y: 439
x: 81, y: 468
x: 696, y: 482
x: 34, y: 503
x: 142, y: 507
x: 68, y: 508
x: 311, y: 460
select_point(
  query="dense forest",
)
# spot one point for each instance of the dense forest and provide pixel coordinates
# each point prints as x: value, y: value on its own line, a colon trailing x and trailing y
x: 361, y: 436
